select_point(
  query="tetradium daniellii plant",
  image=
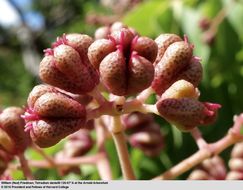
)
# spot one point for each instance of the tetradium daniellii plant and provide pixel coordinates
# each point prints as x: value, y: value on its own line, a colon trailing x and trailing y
x: 78, y: 71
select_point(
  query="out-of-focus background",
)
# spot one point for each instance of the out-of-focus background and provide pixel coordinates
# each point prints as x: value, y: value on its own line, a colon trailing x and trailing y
x: 214, y: 27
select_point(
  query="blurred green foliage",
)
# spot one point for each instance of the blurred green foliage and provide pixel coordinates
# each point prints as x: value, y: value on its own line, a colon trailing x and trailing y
x: 222, y: 61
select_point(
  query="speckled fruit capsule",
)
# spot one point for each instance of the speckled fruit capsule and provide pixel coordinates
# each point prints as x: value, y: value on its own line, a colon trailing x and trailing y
x: 48, y: 132
x: 164, y: 41
x: 192, y: 73
x: 52, y: 114
x: 67, y: 66
x: 48, y: 101
x: 176, y: 57
x: 102, y: 32
x: 123, y: 37
x: 124, y: 61
x: 98, y: 50
x: 186, y: 113
x: 113, y: 73
x: 58, y: 105
x: 146, y: 48
x: 12, y: 123
x: 140, y: 72
x: 38, y: 91
x: 181, y: 89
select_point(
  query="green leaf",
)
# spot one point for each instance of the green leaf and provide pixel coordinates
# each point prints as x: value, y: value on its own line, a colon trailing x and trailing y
x: 165, y: 160
x: 241, y: 129
x: 235, y: 16
x: 144, y: 17
x: 177, y: 136
x: 113, y: 158
x: 136, y: 159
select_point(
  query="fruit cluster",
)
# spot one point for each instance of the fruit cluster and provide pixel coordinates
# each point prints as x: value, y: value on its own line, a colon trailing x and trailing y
x: 78, y: 71
x: 123, y: 64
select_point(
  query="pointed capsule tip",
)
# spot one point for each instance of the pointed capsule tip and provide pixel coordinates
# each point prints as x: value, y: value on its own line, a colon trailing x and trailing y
x: 48, y: 52
x: 212, y: 106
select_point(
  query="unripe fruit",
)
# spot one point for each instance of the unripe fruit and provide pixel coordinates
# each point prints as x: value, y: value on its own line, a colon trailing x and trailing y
x: 99, y: 50
x: 148, y: 139
x: 102, y: 32
x: 58, y: 106
x: 164, y: 41
x: 187, y: 113
x: 136, y: 120
x: 12, y: 123
x: 146, y: 47
x: 181, y: 89
x: 204, y: 23
x: 113, y: 73
x: 143, y: 133
x: 174, y: 62
x: 67, y: 66
x: 117, y: 26
x: 199, y: 174
x: 124, y: 61
x: 38, y: 91
x: 236, y: 163
x: 52, y: 115
x: 105, y: 31
x: 176, y: 58
x: 48, y: 132
x: 215, y: 167
x: 192, y: 73
x: 210, y: 169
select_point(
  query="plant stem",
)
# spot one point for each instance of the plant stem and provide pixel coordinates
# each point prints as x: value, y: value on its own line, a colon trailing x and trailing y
x: 110, y: 108
x: 144, y: 95
x: 25, y: 167
x: 98, y: 96
x: 196, y: 134
x: 76, y: 161
x: 121, y: 147
x: 103, y: 164
x: 199, y: 156
x: 44, y: 155
x: 104, y: 169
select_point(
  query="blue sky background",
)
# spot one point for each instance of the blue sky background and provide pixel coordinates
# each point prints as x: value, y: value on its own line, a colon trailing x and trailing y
x: 9, y: 17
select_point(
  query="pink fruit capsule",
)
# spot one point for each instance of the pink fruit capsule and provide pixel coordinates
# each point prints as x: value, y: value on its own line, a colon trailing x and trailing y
x: 12, y: 123
x: 52, y: 115
x: 124, y: 61
x: 67, y: 66
x: 186, y: 113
